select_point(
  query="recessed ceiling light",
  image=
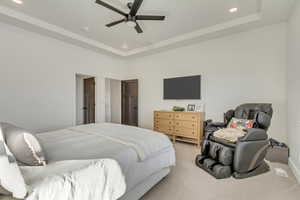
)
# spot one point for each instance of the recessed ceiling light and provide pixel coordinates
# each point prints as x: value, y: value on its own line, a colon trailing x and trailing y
x: 18, y: 1
x: 86, y: 29
x: 233, y: 10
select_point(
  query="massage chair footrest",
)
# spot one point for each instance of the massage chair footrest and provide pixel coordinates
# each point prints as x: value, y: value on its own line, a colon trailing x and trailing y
x: 215, y: 169
x: 261, y: 169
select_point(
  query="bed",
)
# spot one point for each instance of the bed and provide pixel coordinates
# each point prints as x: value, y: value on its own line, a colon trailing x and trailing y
x: 144, y: 156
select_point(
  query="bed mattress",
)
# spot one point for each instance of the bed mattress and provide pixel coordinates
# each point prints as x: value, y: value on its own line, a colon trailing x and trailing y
x: 78, y: 148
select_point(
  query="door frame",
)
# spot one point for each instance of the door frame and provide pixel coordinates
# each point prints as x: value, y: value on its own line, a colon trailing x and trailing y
x: 78, y: 100
x: 123, y: 99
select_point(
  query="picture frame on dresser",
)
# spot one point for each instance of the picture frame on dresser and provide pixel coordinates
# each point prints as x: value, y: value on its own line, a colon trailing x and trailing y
x: 191, y: 107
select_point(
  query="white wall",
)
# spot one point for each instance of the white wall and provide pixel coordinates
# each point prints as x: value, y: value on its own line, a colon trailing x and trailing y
x: 79, y: 100
x: 115, y: 98
x: 107, y: 100
x: 293, y: 85
x: 38, y: 86
x: 241, y: 68
x: 37, y: 79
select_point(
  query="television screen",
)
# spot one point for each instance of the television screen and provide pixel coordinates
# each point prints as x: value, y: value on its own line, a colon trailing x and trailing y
x: 183, y: 88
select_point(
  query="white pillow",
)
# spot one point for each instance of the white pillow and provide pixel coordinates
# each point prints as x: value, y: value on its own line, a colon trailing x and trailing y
x: 11, y: 178
x: 24, y: 145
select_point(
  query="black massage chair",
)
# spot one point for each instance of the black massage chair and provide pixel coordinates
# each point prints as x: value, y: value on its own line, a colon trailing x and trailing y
x: 243, y: 158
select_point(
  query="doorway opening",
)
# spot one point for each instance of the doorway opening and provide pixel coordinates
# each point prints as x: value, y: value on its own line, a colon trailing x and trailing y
x: 121, y: 101
x: 85, y: 99
x: 130, y: 102
x: 113, y: 100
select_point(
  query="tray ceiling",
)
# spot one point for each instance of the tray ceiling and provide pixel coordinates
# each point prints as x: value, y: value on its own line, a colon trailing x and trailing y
x: 83, y: 22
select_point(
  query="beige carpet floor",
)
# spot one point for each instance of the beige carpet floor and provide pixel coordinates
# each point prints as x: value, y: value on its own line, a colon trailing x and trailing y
x: 188, y: 182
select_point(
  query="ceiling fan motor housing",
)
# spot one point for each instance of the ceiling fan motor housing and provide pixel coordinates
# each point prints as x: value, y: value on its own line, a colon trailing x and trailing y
x: 131, y: 18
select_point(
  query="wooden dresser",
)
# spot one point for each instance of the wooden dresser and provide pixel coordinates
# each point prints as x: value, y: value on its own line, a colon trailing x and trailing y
x: 181, y: 126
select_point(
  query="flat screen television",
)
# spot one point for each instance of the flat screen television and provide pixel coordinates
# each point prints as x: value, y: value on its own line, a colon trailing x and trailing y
x: 183, y: 87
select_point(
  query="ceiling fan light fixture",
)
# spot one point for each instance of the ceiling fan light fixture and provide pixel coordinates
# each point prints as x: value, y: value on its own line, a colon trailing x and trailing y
x: 131, y: 23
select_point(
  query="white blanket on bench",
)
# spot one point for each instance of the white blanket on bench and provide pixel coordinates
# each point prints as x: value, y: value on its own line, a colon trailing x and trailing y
x: 99, y: 180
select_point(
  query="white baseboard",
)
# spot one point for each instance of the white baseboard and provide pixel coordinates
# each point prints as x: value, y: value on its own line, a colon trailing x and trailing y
x: 295, y: 169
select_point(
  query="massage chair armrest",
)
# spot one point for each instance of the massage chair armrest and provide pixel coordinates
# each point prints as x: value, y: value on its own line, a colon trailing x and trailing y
x: 216, y: 124
x: 254, y: 134
x: 211, y: 127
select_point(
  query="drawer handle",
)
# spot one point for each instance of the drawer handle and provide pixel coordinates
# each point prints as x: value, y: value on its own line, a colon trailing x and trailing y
x: 170, y: 122
x: 193, y: 124
x: 177, y: 123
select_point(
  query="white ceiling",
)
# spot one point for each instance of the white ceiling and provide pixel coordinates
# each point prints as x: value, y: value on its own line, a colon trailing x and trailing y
x: 186, y: 20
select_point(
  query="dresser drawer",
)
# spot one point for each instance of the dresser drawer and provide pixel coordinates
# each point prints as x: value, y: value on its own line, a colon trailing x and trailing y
x: 163, y: 122
x: 186, y: 117
x: 185, y: 132
x: 185, y: 124
x: 164, y: 115
x: 164, y: 129
x: 180, y: 126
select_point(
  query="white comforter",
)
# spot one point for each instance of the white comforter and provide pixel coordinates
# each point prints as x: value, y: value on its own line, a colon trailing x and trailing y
x: 99, y: 180
x: 145, y: 142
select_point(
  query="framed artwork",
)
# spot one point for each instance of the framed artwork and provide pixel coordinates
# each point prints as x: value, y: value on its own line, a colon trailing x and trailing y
x: 191, y: 108
x: 200, y: 108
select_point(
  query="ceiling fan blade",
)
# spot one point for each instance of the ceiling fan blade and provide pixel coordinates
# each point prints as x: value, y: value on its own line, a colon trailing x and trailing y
x: 135, y: 7
x: 115, y: 23
x: 150, y: 17
x: 138, y: 28
x: 106, y: 5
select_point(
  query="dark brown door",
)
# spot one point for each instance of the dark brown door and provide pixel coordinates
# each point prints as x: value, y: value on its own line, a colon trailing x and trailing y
x: 130, y: 102
x: 89, y: 100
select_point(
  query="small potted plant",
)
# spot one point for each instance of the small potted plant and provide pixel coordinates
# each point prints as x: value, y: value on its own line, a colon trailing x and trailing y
x: 178, y: 109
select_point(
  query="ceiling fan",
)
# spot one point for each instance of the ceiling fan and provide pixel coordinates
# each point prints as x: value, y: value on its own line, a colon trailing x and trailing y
x: 131, y: 18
